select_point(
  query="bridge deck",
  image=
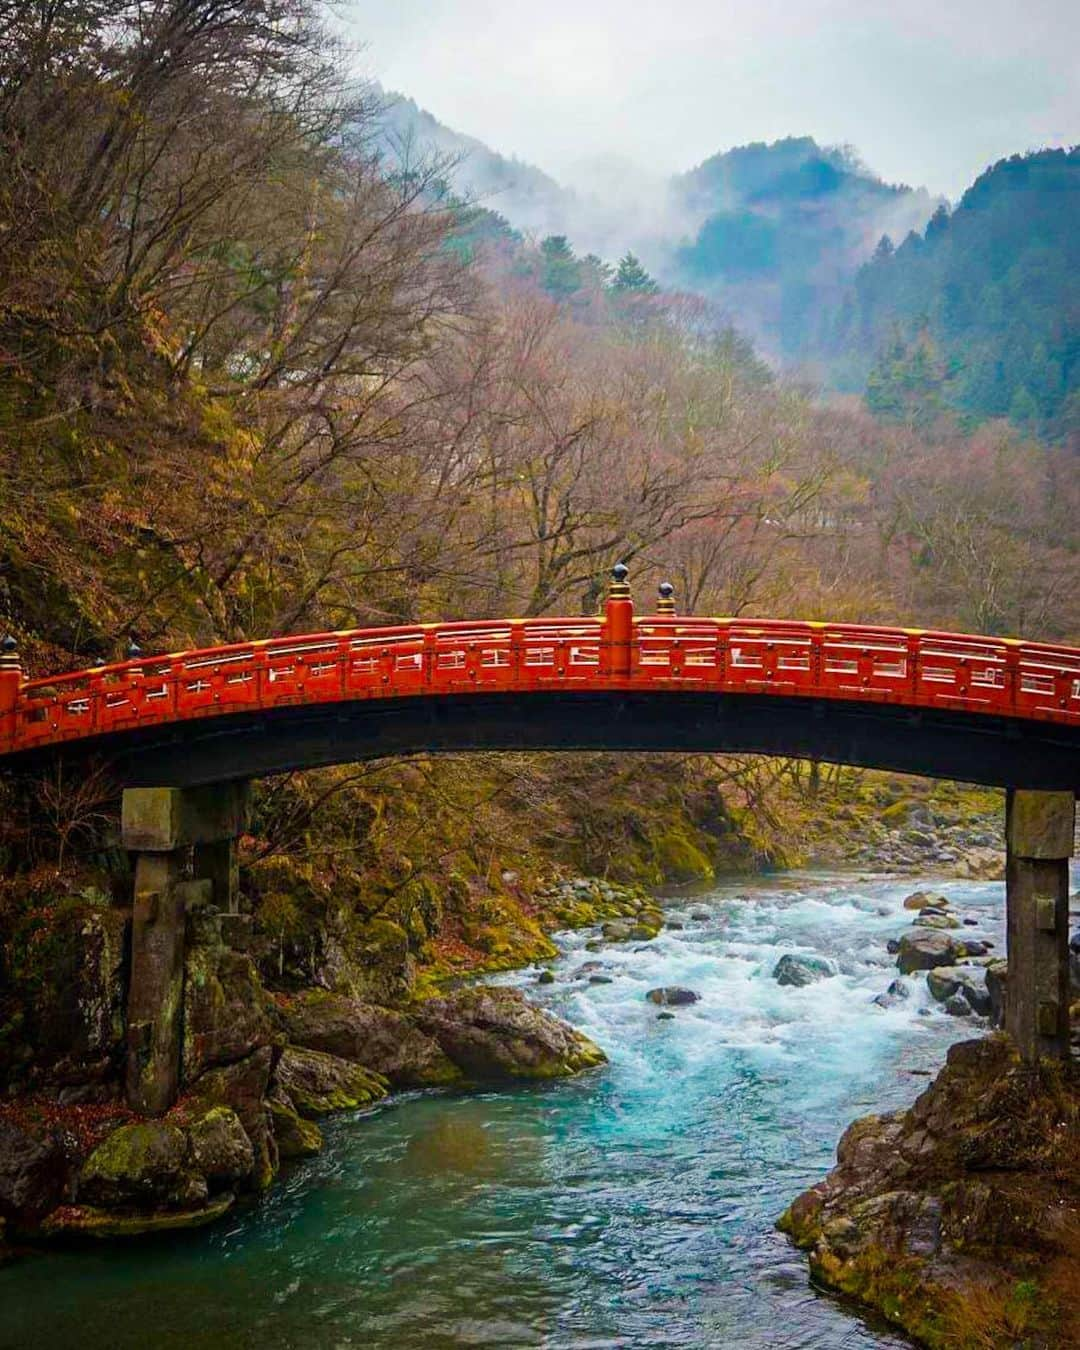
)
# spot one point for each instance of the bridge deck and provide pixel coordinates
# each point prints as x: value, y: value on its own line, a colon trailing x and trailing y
x: 986, y: 683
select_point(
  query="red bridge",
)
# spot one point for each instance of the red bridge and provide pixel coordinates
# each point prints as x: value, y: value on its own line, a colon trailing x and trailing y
x: 981, y: 709
x: 182, y: 733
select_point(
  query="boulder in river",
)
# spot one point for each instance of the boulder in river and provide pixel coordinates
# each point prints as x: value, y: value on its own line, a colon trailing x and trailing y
x: 802, y: 970
x: 925, y: 949
x: 921, y: 899
x: 957, y: 1006
x: 976, y: 946
x: 295, y: 1137
x: 975, y: 1177
x: 672, y: 996
x: 496, y: 1034
x: 382, y: 1040
x: 946, y: 982
x: 996, y: 973
x: 220, y: 1148
x: 319, y: 1083
x: 929, y: 919
x: 896, y: 993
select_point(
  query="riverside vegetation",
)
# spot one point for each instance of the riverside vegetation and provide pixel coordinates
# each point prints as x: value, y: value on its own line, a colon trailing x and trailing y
x: 256, y: 379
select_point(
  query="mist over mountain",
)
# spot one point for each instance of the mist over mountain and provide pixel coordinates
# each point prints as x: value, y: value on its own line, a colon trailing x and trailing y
x: 784, y: 228
x: 529, y: 198
x: 980, y: 313
x: 773, y: 233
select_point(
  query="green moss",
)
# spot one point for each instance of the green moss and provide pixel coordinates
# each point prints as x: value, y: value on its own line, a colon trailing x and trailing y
x: 680, y: 859
x: 136, y: 1151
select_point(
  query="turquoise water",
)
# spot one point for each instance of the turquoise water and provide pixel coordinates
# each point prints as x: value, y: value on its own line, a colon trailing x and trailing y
x: 631, y: 1208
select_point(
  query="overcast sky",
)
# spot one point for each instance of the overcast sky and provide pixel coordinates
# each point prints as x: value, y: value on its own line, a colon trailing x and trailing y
x: 929, y: 91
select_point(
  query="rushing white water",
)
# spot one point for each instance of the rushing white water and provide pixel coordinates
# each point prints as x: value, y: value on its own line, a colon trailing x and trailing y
x: 633, y: 1207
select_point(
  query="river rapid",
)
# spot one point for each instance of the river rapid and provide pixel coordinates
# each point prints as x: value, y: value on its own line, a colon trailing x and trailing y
x: 633, y: 1207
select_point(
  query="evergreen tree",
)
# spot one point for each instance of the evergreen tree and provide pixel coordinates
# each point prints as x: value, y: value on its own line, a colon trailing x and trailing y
x: 632, y: 277
x: 561, y: 274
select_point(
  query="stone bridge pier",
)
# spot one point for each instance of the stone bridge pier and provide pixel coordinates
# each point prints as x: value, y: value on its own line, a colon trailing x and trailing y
x: 1040, y: 832
x: 184, y: 846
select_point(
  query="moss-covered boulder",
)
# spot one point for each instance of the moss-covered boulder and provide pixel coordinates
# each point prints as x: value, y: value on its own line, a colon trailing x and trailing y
x: 495, y: 1034
x: 220, y: 1148
x: 680, y: 859
x: 296, y: 1137
x: 142, y: 1166
x: 242, y: 1087
x: 227, y: 1014
x: 381, y: 1039
x: 381, y: 965
x: 318, y: 1083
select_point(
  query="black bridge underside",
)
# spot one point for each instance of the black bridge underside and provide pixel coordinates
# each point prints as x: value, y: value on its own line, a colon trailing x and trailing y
x: 975, y: 748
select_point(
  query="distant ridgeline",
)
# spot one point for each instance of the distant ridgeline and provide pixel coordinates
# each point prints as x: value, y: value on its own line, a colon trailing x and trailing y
x: 784, y: 227
x: 980, y: 313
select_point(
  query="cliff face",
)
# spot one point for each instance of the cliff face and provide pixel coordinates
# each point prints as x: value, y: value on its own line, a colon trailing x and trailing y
x: 960, y: 1218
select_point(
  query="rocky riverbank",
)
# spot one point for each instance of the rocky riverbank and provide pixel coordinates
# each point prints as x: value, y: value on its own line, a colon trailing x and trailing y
x: 959, y: 1220
x: 260, y: 1068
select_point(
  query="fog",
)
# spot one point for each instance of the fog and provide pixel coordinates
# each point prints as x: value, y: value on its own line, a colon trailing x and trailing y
x: 929, y: 93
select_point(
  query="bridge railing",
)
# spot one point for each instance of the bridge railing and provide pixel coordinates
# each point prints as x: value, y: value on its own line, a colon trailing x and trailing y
x: 816, y: 660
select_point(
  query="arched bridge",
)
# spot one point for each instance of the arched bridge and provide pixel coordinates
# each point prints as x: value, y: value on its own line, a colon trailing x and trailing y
x: 980, y: 709
x: 183, y: 732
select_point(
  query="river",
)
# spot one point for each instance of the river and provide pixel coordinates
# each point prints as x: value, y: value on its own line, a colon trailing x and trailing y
x: 630, y: 1208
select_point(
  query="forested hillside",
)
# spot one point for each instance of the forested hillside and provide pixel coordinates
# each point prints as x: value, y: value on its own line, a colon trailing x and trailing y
x: 784, y: 227
x: 980, y: 312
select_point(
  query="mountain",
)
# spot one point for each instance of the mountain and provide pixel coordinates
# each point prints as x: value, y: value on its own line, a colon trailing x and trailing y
x: 525, y: 195
x: 980, y: 312
x: 783, y: 228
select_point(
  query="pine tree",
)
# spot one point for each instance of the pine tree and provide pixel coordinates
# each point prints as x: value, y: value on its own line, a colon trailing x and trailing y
x: 561, y: 275
x: 631, y: 276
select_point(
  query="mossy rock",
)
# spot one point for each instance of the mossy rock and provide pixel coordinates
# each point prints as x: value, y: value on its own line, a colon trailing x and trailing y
x: 146, y: 1163
x: 220, y: 1148
x: 295, y: 1137
x: 495, y: 1034
x: 318, y: 1084
x: 680, y: 859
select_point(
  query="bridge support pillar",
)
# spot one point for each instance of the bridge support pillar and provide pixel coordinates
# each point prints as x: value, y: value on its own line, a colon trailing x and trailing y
x: 1039, y: 831
x: 161, y: 826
